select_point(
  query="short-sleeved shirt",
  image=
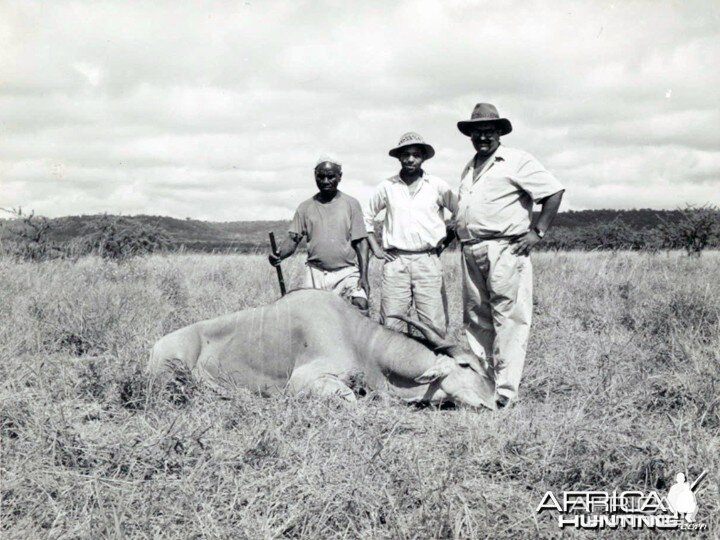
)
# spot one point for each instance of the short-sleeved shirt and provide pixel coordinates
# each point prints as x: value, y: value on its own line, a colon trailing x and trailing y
x: 414, y: 221
x: 330, y: 228
x: 497, y: 200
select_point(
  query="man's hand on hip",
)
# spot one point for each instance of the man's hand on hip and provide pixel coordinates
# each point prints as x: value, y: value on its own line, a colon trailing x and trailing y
x: 442, y: 245
x: 525, y: 243
x: 388, y: 256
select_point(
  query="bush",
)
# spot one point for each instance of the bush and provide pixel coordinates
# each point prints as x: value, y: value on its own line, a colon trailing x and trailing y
x: 27, y: 237
x: 615, y: 235
x: 612, y: 236
x: 696, y: 229
x: 119, y: 239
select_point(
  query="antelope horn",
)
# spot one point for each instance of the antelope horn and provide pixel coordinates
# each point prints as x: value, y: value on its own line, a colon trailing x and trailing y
x: 432, y: 335
x: 435, y: 329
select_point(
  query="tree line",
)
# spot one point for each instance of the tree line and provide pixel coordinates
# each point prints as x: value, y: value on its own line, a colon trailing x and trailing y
x: 31, y: 237
x: 692, y: 229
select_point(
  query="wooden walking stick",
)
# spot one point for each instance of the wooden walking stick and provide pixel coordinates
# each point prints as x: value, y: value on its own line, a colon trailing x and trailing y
x: 273, y: 246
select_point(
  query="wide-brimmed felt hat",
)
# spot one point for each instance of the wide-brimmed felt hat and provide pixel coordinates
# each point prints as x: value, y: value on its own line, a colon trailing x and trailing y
x: 409, y: 139
x: 485, y: 114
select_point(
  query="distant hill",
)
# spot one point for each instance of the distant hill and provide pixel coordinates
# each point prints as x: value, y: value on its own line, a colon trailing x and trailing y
x: 190, y: 234
x: 252, y: 236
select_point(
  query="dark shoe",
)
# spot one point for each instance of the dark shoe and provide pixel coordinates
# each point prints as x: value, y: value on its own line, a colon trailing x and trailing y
x: 502, y: 401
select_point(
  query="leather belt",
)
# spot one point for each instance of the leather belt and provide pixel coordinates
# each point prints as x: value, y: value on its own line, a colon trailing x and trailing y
x: 473, y: 241
x: 408, y: 252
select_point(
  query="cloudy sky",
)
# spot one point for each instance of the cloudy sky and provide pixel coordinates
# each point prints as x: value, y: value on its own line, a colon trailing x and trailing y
x: 218, y: 110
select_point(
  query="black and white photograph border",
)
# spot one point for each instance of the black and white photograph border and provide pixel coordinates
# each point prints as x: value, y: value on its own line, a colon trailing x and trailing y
x: 513, y: 208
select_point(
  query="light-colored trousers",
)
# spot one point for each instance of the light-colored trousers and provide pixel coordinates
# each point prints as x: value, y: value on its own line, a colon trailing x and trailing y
x: 344, y: 282
x: 414, y: 277
x: 497, y: 300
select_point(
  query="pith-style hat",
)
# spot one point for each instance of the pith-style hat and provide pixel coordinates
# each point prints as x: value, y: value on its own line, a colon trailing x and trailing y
x: 485, y: 114
x: 410, y: 139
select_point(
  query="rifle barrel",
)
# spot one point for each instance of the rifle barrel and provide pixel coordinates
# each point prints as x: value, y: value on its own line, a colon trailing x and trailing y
x: 281, y: 281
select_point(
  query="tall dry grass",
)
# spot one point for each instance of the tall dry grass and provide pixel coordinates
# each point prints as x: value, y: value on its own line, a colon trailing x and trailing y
x: 621, y: 390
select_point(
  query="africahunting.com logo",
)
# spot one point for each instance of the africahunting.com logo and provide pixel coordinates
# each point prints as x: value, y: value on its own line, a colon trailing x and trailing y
x: 628, y: 509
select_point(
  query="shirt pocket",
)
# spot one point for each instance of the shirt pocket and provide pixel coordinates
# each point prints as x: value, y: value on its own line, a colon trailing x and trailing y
x: 495, y: 187
x: 464, y: 187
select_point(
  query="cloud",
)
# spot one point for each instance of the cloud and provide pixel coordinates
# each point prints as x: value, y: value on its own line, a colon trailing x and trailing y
x: 219, y: 110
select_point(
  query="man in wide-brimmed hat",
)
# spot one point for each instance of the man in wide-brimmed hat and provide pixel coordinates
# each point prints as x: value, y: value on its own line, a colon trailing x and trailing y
x: 414, y: 235
x: 332, y: 222
x: 497, y: 191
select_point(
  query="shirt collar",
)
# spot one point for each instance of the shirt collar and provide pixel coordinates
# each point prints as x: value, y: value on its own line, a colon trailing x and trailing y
x: 498, y: 155
x: 395, y: 179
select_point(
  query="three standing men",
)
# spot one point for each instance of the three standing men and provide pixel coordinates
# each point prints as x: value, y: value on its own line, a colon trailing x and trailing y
x: 414, y: 235
x: 493, y: 219
x: 497, y: 191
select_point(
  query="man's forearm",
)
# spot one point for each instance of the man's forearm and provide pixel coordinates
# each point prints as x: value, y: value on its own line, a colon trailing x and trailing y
x: 362, y: 251
x: 374, y: 244
x: 550, y: 207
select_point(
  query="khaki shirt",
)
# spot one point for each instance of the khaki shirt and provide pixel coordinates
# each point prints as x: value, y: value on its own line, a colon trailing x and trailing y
x: 497, y: 201
x: 413, y: 221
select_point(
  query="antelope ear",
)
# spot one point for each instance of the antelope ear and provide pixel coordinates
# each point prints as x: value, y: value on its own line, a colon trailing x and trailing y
x: 438, y: 371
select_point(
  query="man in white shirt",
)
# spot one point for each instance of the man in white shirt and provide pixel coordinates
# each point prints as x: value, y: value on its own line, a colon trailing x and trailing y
x: 414, y: 235
x: 494, y: 225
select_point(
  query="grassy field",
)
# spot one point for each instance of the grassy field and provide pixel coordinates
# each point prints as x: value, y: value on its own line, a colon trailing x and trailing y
x: 621, y: 391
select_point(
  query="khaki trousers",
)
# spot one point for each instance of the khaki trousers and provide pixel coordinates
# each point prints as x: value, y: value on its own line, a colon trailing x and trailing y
x: 414, y: 277
x: 497, y: 300
x: 344, y: 282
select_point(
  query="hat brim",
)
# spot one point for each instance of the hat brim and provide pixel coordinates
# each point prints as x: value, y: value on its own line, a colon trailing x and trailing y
x: 429, y: 150
x: 503, y: 124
